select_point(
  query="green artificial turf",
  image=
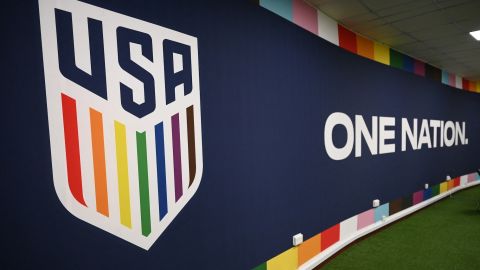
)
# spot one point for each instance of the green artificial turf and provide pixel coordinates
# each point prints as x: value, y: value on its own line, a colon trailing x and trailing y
x: 445, y: 235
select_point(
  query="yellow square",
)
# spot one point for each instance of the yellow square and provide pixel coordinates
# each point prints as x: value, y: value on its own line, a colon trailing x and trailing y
x: 381, y: 53
x: 287, y: 260
x: 443, y: 187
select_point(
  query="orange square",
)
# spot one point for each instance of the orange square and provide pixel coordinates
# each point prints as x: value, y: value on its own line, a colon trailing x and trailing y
x: 365, y: 47
x: 449, y: 184
x: 309, y: 249
x: 471, y: 86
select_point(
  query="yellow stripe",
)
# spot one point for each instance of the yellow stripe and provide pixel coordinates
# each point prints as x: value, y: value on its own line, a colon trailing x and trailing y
x: 122, y: 170
x: 381, y: 53
x: 443, y: 187
x: 288, y: 260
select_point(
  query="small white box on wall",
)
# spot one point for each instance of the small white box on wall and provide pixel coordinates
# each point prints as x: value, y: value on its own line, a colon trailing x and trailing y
x: 376, y: 203
x: 297, y: 239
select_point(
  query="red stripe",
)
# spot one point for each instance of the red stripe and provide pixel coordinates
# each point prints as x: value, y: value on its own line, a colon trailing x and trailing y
x: 70, y: 128
x: 465, y: 84
x: 347, y: 39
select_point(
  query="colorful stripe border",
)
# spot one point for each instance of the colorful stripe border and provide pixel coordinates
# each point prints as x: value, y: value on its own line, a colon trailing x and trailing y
x: 316, y: 22
x: 363, y: 223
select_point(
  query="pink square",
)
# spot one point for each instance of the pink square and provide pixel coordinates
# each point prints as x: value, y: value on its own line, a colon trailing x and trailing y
x: 305, y: 16
x: 471, y: 177
x: 451, y: 79
x: 366, y: 218
x: 418, y: 197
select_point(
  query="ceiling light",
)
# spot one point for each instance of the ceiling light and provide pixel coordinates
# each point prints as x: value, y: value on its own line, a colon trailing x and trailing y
x: 476, y: 34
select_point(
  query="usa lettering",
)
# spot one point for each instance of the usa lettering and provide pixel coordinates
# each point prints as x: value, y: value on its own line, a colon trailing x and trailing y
x: 135, y: 59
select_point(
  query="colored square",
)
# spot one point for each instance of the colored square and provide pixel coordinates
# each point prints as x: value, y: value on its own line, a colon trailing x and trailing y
x: 450, y: 184
x: 305, y: 16
x: 365, y: 47
x: 347, y: 39
x: 418, y: 197
x: 419, y: 67
x: 472, y: 177
x: 443, y: 187
x: 381, y: 53
x: 464, y: 84
x: 327, y: 28
x: 458, y: 82
x: 348, y: 227
x: 407, y: 201
x: 280, y: 7
x: 365, y: 219
x: 309, y: 249
x: 287, y: 260
x: 427, y: 194
x: 396, y: 59
x: 408, y: 63
x: 471, y: 86
x: 395, y: 206
x: 464, y: 179
x: 433, y: 73
x: 456, y: 182
x: 382, y: 210
x: 451, y: 80
x: 445, y: 77
x: 435, y: 190
x: 468, y: 85
x: 330, y: 236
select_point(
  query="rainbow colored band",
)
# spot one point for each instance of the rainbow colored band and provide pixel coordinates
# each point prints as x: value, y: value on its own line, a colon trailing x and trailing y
x: 297, y: 256
x: 74, y: 163
x: 314, y: 21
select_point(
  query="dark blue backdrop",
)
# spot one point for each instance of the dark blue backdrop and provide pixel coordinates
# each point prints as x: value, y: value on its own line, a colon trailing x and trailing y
x: 267, y: 87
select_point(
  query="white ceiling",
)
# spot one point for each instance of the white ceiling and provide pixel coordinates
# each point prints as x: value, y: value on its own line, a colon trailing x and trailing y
x: 435, y: 31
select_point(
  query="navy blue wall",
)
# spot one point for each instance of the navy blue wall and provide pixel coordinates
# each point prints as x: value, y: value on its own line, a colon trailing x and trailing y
x: 267, y: 87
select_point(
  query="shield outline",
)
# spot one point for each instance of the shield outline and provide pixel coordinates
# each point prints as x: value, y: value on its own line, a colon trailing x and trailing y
x: 54, y: 81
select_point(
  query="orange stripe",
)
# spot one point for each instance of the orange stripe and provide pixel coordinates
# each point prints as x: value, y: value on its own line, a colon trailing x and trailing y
x: 365, y: 47
x: 98, y: 150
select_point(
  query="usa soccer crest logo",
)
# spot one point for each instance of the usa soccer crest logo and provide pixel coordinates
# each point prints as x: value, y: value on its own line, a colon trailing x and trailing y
x: 124, y: 118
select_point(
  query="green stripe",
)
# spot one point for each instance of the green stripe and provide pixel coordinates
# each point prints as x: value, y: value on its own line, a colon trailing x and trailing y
x: 262, y: 266
x: 396, y: 59
x: 435, y: 190
x: 143, y: 182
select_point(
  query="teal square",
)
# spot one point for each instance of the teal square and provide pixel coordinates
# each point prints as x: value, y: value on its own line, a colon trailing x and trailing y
x: 283, y: 8
x: 381, y: 211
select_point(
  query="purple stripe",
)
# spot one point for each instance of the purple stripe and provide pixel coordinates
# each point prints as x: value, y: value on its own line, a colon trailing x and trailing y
x: 177, y: 157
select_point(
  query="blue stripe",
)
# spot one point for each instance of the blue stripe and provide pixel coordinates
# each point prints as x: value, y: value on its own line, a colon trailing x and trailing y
x: 162, y: 182
x: 427, y: 194
x: 408, y: 63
